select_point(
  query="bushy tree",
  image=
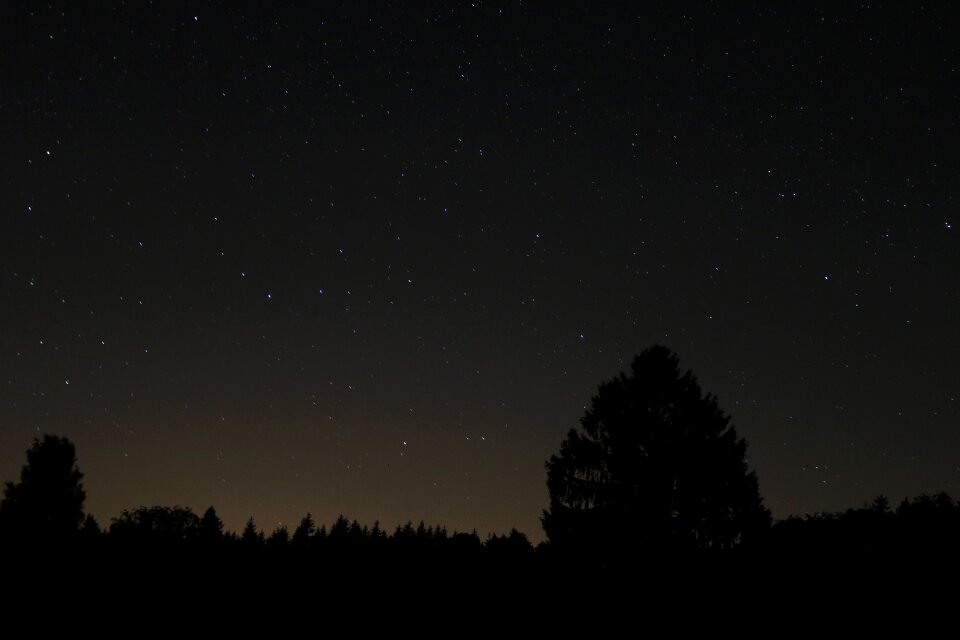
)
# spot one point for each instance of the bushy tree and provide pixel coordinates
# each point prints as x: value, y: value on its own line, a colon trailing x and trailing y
x: 656, y: 465
x: 156, y: 525
x: 47, y: 502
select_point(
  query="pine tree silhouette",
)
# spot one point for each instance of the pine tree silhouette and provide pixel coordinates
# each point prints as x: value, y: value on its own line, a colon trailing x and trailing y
x: 656, y: 465
x: 47, y: 502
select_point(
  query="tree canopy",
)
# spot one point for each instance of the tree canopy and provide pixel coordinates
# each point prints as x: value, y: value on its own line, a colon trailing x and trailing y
x: 157, y: 524
x: 47, y: 502
x: 655, y: 465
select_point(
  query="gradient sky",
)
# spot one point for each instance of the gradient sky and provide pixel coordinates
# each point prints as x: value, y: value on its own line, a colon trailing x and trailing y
x: 374, y: 259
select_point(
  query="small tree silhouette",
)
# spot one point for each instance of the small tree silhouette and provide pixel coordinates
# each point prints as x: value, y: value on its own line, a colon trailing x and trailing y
x: 656, y: 465
x: 279, y: 540
x: 47, y: 503
x: 250, y: 538
x: 211, y: 527
x: 880, y: 504
x: 304, y: 532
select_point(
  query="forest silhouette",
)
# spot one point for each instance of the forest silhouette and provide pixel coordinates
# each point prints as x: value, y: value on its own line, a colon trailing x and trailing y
x: 654, y: 482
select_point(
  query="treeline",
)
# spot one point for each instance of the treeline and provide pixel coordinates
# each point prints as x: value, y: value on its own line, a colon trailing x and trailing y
x: 161, y: 528
x: 924, y: 529
x: 44, y: 512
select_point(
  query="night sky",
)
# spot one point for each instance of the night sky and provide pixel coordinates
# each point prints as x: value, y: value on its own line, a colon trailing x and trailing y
x: 375, y: 259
